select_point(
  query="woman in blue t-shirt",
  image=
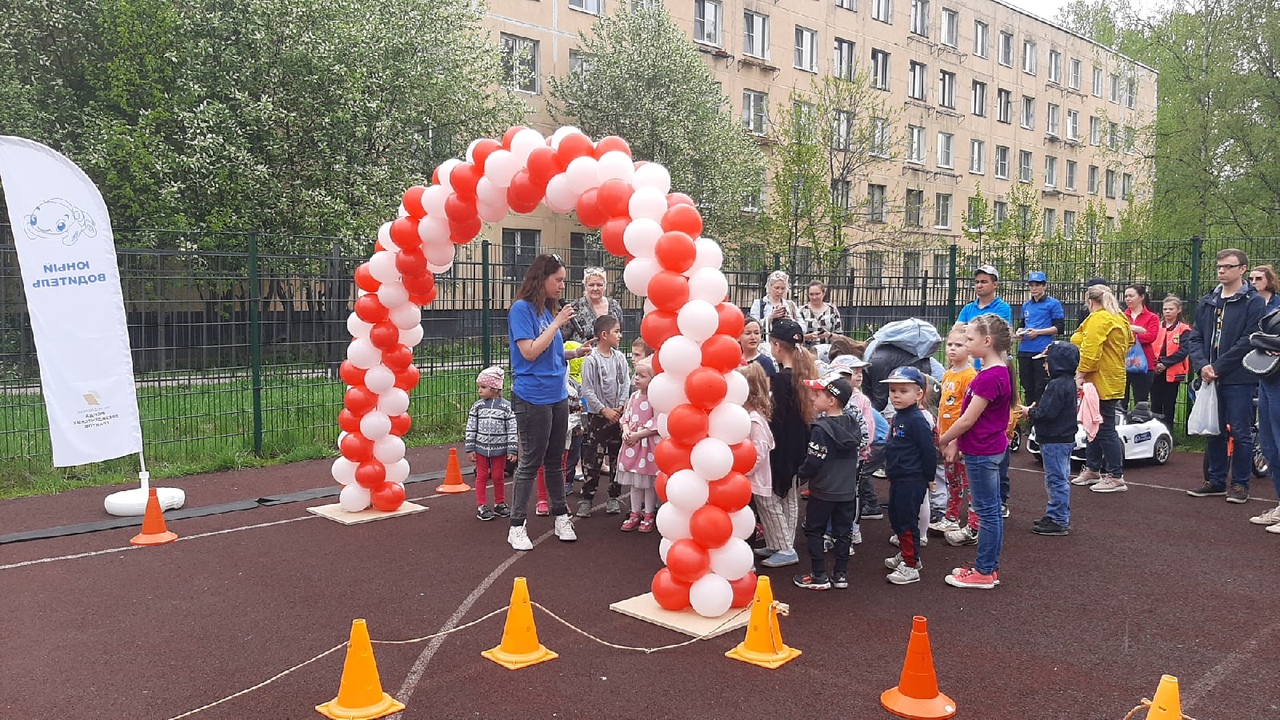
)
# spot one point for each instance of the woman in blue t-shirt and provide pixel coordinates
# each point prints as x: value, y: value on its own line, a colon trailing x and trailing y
x: 539, y: 394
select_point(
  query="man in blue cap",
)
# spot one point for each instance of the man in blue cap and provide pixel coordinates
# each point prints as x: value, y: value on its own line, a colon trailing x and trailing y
x: 1042, y: 319
x: 986, y: 285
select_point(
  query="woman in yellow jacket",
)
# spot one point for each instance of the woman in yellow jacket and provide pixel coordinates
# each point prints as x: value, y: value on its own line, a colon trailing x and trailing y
x: 1104, y: 338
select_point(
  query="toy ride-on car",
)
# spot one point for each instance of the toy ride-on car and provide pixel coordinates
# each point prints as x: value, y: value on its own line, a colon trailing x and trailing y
x: 1144, y: 437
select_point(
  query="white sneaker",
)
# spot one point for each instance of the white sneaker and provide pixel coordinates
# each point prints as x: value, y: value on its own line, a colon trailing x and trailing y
x: 564, y: 528
x: 518, y: 537
x: 1086, y: 477
x: 923, y: 541
x: 904, y: 575
x: 896, y: 561
x: 1270, y: 517
x: 1274, y: 529
x: 944, y: 526
x: 857, y: 539
x: 1109, y: 484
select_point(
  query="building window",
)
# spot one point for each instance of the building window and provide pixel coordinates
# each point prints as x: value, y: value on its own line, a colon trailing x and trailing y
x: 879, y: 69
x: 879, y: 136
x: 842, y: 133
x: 1130, y: 138
x: 915, y: 208
x: 946, y: 150
x: 1052, y: 119
x: 519, y: 249
x: 707, y: 15
x: 1073, y: 75
x: 920, y: 17
x: 977, y: 157
x: 911, y: 274
x: 1068, y: 223
x: 876, y: 202
x: 950, y: 27
x: 579, y: 63
x: 847, y: 4
x: 1111, y: 184
x: 520, y: 63
x: 1113, y: 135
x: 882, y: 10
x: 917, y: 83
x: 947, y: 88
x: 1028, y: 118
x: 999, y: 213
x: 1073, y: 124
x: 1024, y: 219
x: 1131, y: 92
x: 842, y: 65
x: 840, y: 193
x: 755, y: 35
x: 915, y: 144
x: 1050, y: 172
x: 941, y: 266
x: 1093, y: 179
x: 755, y: 111
x: 1050, y: 222
x: 1126, y: 186
x: 1002, y: 162
x: 1024, y: 166
x: 875, y: 268
x: 981, y: 38
x: 1004, y: 106
x: 1006, y: 49
x: 1114, y: 95
x: 591, y: 6
x: 1071, y: 176
x: 973, y: 218
x: 1097, y: 82
x: 979, y: 98
x: 1028, y: 57
x: 1055, y: 66
x: 942, y: 211
x: 802, y: 124
x: 1095, y: 130
x: 806, y: 49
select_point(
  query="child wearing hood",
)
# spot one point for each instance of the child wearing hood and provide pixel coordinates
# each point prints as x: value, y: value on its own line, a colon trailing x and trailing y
x: 1054, y: 419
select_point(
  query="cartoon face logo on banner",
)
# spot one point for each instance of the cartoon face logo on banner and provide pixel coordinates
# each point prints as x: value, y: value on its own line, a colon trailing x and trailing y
x: 58, y: 220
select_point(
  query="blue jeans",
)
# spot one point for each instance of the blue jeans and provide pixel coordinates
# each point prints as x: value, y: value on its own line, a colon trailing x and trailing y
x: 1057, y: 468
x: 1269, y: 427
x: 984, y: 498
x: 540, y: 430
x: 1235, y: 408
x: 1105, y: 452
x: 1004, y: 476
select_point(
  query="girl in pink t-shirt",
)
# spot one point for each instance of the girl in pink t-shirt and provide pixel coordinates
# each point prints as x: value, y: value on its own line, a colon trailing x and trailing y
x: 979, y: 433
x: 636, y: 466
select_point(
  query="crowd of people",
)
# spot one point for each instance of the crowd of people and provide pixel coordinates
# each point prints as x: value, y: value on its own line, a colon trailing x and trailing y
x: 830, y: 414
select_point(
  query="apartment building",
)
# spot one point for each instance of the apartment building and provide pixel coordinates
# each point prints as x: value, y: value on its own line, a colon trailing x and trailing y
x: 985, y: 96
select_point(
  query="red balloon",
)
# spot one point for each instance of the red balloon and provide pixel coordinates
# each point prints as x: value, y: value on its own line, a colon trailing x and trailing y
x: 730, y: 493
x: 611, y: 235
x: 731, y: 319
x: 411, y: 261
x: 385, y: 335
x: 464, y: 231
x: 388, y: 497
x: 397, y: 358
x: 661, y: 486
x: 687, y: 560
x: 710, y: 526
x: 687, y: 423
x: 669, y: 592
x: 419, y: 284
x: 360, y: 400
x: 657, y: 364
x: 744, y: 456
x: 615, y: 197
x: 657, y: 326
x: 459, y: 209
x: 365, y: 279
x: 463, y: 179
x: 705, y: 387
x: 523, y: 195
x: 668, y: 290
x: 675, y: 250
x: 684, y: 218
x: 425, y: 299
x: 407, y: 379
x: 678, y: 198
x: 572, y: 147
x: 672, y: 457
x: 509, y: 134
x: 349, y: 421
x: 370, y: 309
x: 543, y: 165
x: 412, y: 201
x: 589, y: 211
x: 400, y: 424
x: 744, y: 590
x: 371, y: 474
x: 610, y: 143
x: 722, y: 352
x: 356, y: 447
x: 351, y: 374
x: 404, y: 232
x: 482, y: 150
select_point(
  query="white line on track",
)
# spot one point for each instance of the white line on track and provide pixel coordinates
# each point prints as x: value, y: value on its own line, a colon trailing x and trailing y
x: 1223, y: 670
x: 1139, y: 484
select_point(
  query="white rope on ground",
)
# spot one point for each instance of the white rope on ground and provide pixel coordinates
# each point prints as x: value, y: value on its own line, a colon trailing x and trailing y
x: 433, y: 636
x: 645, y: 650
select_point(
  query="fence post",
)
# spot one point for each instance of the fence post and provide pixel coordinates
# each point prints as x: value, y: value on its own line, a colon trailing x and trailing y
x: 1197, y: 259
x: 777, y: 262
x: 486, y: 342
x: 255, y: 341
x: 952, y: 259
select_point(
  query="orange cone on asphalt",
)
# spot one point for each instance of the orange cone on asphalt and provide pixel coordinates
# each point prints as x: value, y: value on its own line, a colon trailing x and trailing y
x: 1168, y: 703
x: 153, y: 529
x: 360, y: 695
x: 453, y: 476
x: 763, y: 646
x: 916, y: 695
x: 520, y: 646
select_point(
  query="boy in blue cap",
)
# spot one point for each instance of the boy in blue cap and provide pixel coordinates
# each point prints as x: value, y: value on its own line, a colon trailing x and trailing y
x: 1054, y: 418
x: 1042, y: 319
x: 910, y: 458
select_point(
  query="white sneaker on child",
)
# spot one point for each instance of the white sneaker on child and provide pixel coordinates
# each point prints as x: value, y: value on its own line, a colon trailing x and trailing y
x: 564, y: 528
x: 519, y: 538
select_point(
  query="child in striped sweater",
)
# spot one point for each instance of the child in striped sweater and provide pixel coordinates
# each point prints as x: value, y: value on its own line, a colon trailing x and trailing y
x: 491, y: 442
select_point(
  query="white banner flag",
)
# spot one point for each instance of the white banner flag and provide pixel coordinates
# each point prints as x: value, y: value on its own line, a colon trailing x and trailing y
x: 68, y: 260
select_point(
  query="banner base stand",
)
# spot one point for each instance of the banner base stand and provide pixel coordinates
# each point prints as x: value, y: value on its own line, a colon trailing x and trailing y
x: 644, y: 607
x: 335, y: 513
x: 133, y: 503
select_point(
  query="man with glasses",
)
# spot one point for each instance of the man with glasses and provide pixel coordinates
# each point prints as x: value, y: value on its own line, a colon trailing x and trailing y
x: 1042, y: 319
x: 1217, y: 345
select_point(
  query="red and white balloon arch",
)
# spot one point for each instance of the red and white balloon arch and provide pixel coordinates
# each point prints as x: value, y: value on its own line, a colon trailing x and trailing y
x: 705, y: 519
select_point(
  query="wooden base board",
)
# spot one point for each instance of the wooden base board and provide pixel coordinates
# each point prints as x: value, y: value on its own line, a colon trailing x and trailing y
x: 644, y: 607
x: 335, y: 513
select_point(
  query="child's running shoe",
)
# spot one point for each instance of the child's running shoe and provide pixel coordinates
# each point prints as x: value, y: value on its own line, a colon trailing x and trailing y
x: 1046, y: 526
x: 903, y: 575
x: 893, y: 540
x: 944, y: 526
x: 828, y: 543
x: 856, y: 539
x: 963, y: 536
x: 584, y: 508
x: 501, y: 510
x: 484, y: 512
x: 782, y: 558
x: 764, y: 551
x: 812, y: 582
x: 542, y: 508
x: 647, y: 522
x: 840, y: 580
x: 971, y: 578
x: 897, y: 561
x: 631, y: 523
x: 612, y: 506
x: 872, y: 513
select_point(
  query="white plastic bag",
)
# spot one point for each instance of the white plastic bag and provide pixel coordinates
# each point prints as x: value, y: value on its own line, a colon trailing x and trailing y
x: 1203, y: 419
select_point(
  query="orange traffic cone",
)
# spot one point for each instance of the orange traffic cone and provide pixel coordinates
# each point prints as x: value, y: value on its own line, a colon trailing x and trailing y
x: 763, y: 646
x: 916, y: 695
x: 153, y: 529
x: 520, y: 646
x: 1168, y: 704
x: 453, y: 476
x: 360, y: 695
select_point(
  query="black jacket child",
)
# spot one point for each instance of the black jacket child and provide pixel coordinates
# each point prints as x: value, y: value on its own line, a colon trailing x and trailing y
x: 1054, y: 415
x: 831, y: 467
x: 910, y: 453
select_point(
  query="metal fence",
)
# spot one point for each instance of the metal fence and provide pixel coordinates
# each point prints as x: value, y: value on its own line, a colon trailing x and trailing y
x: 236, y: 350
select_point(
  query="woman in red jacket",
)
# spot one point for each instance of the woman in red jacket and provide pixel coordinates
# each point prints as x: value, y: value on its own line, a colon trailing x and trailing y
x: 1145, y: 326
x: 1171, y: 360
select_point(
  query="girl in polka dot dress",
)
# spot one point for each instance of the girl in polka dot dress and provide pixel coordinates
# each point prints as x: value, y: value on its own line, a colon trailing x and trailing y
x: 636, y: 466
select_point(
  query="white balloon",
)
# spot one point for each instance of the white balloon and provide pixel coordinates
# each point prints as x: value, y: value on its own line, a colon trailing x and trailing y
x: 663, y: 431
x: 433, y: 199
x: 698, y: 319
x: 560, y: 197
x: 444, y: 170
x: 490, y: 194
x: 437, y: 269
x: 406, y: 316
x: 582, y: 174
x: 687, y: 491
x: 354, y: 497
x: 401, y: 212
x: 398, y: 471
x: 615, y: 165
x: 664, y: 546
x: 344, y: 470
x: 666, y: 391
x: 641, y: 237
x: 500, y: 167
x: 412, y: 336
x: 732, y: 560
x: 710, y: 595
x: 744, y: 522
x: 379, y: 379
x: 560, y: 134
x: 647, y: 203
x: 729, y: 423
x: 708, y: 284
x: 388, y: 449
x: 523, y: 143
x: 363, y: 354
x: 639, y: 272
x: 434, y: 228
x: 738, y: 388
x: 357, y: 327
x: 392, y: 295
x: 711, y: 458
x: 396, y: 401
x: 649, y: 306
x: 439, y: 252
x: 491, y: 213
x: 375, y: 425
x: 384, y: 233
x: 673, y: 522
x: 653, y: 176
x: 680, y: 356
x: 708, y: 254
x: 382, y: 266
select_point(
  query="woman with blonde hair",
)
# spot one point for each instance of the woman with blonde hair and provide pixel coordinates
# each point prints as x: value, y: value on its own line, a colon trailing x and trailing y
x: 775, y: 305
x: 591, y: 305
x: 1104, y: 339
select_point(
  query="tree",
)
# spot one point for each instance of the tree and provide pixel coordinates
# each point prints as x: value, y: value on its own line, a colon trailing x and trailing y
x: 641, y: 79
